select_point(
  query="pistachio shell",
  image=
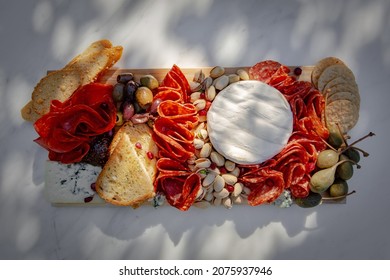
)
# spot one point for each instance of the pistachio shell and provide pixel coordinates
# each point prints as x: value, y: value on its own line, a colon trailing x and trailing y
x: 242, y: 74
x: 229, y: 165
x: 199, y: 76
x: 235, y: 172
x: 217, y: 158
x: 200, y: 104
x: 210, y: 93
x: 229, y: 179
x: 233, y: 78
x: 209, y: 196
x: 221, y: 82
x: 195, y: 96
x: 217, y: 71
x: 207, y: 82
x: 227, y: 202
x: 238, y: 187
x: 219, y: 183
x: 222, y: 194
x: 206, y: 150
x: 202, y: 163
x: 198, y: 143
x: 209, y: 179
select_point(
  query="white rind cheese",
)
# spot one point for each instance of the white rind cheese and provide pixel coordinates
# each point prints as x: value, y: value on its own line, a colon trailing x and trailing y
x: 71, y: 183
x: 249, y: 122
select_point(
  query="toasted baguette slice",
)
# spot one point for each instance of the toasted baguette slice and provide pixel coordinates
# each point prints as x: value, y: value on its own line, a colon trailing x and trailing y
x: 83, y: 69
x: 127, y: 177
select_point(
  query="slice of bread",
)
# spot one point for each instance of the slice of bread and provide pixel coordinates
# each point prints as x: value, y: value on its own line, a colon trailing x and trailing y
x: 127, y: 177
x: 60, y: 85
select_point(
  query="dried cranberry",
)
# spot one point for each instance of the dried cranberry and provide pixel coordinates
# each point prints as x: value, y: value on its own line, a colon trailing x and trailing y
x: 223, y: 170
x: 93, y: 187
x: 88, y: 199
x: 230, y: 188
x: 138, y: 145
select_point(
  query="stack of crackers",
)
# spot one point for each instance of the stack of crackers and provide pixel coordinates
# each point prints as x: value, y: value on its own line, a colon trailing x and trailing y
x: 337, y: 83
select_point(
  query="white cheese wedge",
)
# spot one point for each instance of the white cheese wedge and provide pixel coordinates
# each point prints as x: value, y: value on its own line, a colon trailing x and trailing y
x: 71, y: 183
x: 249, y: 122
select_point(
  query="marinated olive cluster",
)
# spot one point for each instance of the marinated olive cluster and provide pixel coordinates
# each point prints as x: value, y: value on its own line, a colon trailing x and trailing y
x: 134, y: 99
x: 336, y: 165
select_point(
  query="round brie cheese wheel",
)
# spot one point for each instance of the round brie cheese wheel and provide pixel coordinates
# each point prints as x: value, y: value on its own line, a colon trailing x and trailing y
x: 249, y: 122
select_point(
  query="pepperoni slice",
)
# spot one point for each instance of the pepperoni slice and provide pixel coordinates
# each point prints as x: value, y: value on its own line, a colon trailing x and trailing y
x: 264, y: 70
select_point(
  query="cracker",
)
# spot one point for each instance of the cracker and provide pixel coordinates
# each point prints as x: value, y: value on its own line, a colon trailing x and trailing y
x: 342, y: 112
x: 345, y: 95
x: 321, y: 66
x: 340, y: 84
x: 333, y: 72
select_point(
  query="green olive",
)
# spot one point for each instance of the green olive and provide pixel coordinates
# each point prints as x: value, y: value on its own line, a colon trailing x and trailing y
x: 312, y: 200
x: 353, y: 154
x: 327, y: 158
x: 144, y: 97
x: 149, y: 81
x: 335, y: 138
x: 345, y: 169
x: 338, y: 188
x: 119, y: 118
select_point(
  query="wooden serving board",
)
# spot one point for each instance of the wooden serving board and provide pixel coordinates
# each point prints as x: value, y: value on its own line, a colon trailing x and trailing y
x: 159, y: 73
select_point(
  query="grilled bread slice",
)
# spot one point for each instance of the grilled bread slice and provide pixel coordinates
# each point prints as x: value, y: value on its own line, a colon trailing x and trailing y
x: 127, y: 177
x: 60, y: 85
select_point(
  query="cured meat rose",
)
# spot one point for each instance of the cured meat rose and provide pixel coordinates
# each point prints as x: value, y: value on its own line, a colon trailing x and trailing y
x: 67, y: 130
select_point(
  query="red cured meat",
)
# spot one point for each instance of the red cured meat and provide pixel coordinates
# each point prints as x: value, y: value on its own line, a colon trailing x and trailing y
x: 180, y: 191
x: 184, y: 114
x: 291, y: 168
x: 266, y: 186
x: 173, y: 139
x: 165, y: 93
x: 172, y: 133
x: 264, y: 70
x: 69, y: 127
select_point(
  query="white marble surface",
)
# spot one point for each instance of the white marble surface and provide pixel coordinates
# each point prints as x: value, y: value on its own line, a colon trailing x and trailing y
x: 40, y: 35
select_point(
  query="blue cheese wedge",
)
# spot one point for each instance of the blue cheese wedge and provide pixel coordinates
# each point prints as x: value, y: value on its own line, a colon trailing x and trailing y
x: 249, y: 122
x: 71, y: 183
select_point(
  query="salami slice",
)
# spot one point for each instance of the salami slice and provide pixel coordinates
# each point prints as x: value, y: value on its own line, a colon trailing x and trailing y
x: 180, y: 191
x: 264, y: 188
x: 264, y: 70
x: 184, y: 114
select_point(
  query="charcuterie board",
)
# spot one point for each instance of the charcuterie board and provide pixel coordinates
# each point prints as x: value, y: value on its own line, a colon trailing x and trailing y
x: 206, y: 136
